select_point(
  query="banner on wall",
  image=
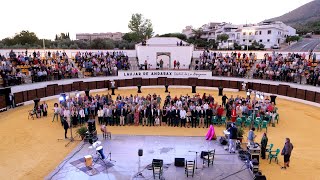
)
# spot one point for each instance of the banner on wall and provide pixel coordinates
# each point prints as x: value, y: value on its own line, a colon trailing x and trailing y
x: 164, y: 73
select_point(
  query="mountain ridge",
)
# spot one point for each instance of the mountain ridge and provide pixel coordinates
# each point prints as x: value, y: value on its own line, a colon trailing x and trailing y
x: 304, y: 18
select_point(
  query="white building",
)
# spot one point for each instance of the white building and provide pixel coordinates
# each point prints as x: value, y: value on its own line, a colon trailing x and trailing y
x: 165, y: 48
x: 267, y: 33
x: 117, y: 36
x: 188, y: 31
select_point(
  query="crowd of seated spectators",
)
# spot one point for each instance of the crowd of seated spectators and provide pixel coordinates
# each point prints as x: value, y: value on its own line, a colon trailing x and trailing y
x: 18, y: 67
x: 293, y: 67
x: 233, y: 64
x: 102, y: 63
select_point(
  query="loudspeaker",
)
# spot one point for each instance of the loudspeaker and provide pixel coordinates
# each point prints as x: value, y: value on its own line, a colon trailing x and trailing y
x: 220, y: 91
x: 6, y: 92
x: 194, y: 89
x: 140, y: 152
x: 260, y: 177
x: 223, y: 141
x: 179, y: 162
x: 91, y: 125
x: 87, y: 92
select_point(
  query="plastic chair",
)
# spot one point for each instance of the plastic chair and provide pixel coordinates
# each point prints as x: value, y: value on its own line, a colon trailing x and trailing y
x: 189, y: 168
x: 215, y: 120
x: 209, y: 158
x: 256, y: 124
x: 224, y: 120
x: 274, y: 156
x: 243, y: 118
x: 258, y: 118
x: 239, y: 122
x: 264, y: 125
x: 269, y: 149
x: 248, y: 123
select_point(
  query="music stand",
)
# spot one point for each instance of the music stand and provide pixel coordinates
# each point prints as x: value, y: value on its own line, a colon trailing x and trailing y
x: 196, y: 158
x: 71, y: 137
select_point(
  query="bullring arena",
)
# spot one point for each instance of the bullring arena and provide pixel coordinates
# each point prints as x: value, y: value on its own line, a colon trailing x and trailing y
x: 30, y: 147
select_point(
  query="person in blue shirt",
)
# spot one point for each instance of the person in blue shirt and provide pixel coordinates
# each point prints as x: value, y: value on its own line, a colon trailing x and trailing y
x: 251, y: 136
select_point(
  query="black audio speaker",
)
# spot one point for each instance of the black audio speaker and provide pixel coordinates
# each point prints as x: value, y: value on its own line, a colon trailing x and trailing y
x: 91, y: 125
x: 220, y: 91
x: 179, y: 162
x: 6, y: 92
x: 260, y: 177
x: 157, y: 161
x: 140, y: 152
x: 194, y: 89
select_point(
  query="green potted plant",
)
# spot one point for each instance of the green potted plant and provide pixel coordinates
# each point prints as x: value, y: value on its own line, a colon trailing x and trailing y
x: 82, y: 132
x: 240, y: 134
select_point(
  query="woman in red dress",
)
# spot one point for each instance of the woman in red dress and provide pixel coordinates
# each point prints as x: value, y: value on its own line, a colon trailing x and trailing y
x: 136, y: 117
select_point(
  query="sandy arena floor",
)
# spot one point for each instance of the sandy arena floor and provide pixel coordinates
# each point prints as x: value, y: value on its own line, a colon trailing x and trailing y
x: 29, y: 149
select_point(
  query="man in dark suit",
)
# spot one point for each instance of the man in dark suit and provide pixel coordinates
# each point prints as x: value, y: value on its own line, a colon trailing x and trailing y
x: 194, y: 114
x: 144, y: 115
x: 114, y: 116
x: 209, y: 116
x: 176, y: 117
x: 170, y: 117
x: 152, y: 115
x: 66, y: 127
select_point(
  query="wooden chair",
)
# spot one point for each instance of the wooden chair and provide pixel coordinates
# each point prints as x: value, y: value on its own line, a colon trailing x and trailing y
x: 157, y: 168
x: 209, y: 158
x: 32, y: 113
x: 189, y: 169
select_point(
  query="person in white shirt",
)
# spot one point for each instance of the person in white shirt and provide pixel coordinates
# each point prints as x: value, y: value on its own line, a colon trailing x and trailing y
x: 82, y: 115
x: 179, y: 103
x: 100, y: 115
x: 157, y: 121
x: 66, y: 114
x: 183, y: 115
x: 56, y: 111
x: 205, y: 106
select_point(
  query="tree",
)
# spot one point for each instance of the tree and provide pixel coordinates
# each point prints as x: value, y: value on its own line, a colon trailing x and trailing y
x: 177, y: 35
x: 131, y: 37
x: 141, y: 26
x: 102, y: 44
x: 222, y: 37
x: 292, y: 39
x: 25, y: 37
x: 197, y: 33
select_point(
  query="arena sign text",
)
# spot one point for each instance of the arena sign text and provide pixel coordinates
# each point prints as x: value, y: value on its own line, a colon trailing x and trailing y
x: 160, y: 73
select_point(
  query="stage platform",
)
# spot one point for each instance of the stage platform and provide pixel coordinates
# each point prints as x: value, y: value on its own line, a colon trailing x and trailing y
x: 124, y: 150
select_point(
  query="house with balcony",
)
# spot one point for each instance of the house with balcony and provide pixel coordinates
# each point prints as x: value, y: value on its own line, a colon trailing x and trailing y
x: 270, y: 34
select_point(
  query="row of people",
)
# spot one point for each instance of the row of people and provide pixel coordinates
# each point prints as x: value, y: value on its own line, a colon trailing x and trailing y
x: 293, y: 67
x: 102, y: 63
x: 146, y: 111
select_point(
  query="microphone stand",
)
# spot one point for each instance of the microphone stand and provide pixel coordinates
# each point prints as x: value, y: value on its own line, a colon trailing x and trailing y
x: 196, y: 158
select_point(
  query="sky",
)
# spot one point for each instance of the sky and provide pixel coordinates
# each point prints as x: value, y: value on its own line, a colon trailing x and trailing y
x: 49, y: 17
